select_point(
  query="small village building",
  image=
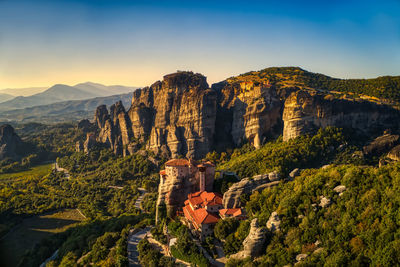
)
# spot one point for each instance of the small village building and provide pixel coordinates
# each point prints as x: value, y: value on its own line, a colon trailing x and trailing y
x: 237, y: 213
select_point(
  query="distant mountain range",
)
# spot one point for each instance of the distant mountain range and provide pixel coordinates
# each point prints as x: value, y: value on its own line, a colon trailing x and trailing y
x: 5, y: 97
x: 72, y: 110
x: 22, y: 91
x: 61, y: 93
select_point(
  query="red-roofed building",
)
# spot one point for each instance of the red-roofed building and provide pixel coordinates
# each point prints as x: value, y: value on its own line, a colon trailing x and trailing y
x: 204, y: 209
x: 201, y: 212
x: 237, y: 213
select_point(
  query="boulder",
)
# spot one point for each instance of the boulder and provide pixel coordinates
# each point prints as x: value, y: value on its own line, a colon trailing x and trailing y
x: 301, y: 257
x: 274, y: 176
x: 324, y: 202
x: 339, y: 189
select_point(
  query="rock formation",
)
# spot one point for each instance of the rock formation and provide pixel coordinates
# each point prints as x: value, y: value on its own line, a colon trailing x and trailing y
x: 78, y: 146
x: 305, y: 112
x: 10, y: 143
x: 340, y: 189
x: 231, y: 197
x: 381, y: 145
x: 181, y: 110
x: 182, y: 116
x: 274, y: 222
x: 394, y: 153
x: 85, y: 125
x: 324, y: 202
x: 89, y: 143
x: 254, y: 243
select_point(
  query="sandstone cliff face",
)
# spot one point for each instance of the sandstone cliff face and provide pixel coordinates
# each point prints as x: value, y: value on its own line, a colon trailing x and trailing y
x: 175, y: 116
x: 181, y: 111
x: 305, y: 112
x: 248, y: 111
x: 182, y: 116
x: 173, y: 192
x: 254, y: 243
x: 10, y: 143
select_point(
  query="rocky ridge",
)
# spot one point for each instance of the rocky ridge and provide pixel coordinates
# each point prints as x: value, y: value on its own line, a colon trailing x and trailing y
x: 182, y: 116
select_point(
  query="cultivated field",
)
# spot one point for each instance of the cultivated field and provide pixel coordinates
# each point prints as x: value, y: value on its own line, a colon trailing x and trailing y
x: 37, y: 171
x: 26, y: 234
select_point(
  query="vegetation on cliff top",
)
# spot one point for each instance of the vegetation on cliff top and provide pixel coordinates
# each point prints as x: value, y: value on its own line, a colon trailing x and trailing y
x: 384, y: 87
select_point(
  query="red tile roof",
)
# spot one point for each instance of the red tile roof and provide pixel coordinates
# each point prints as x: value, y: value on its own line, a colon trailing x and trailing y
x: 185, y: 162
x: 163, y: 172
x: 233, y: 212
x: 177, y: 162
x: 199, y: 216
x: 204, y: 198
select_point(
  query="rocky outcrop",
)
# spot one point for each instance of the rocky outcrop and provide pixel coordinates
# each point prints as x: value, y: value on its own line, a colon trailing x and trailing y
x: 394, y: 153
x: 10, y: 143
x: 304, y: 112
x: 324, y: 202
x: 89, y: 143
x: 85, y: 125
x: 274, y: 222
x: 381, y: 145
x: 340, y: 189
x: 231, y: 197
x: 254, y: 243
x: 78, y: 146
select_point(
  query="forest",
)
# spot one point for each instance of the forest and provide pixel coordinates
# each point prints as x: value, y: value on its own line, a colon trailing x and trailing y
x: 358, y: 228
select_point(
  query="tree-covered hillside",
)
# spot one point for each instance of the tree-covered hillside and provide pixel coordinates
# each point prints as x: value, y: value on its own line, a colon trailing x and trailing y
x: 359, y: 228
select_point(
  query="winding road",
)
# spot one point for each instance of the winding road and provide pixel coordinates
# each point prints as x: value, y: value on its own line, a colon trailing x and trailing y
x: 133, y: 241
x: 134, y: 238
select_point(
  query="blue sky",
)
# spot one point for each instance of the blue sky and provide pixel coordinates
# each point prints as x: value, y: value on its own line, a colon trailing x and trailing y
x: 137, y: 42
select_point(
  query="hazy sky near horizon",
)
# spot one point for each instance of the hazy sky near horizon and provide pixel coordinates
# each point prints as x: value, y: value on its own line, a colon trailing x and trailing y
x: 137, y: 42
